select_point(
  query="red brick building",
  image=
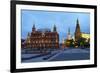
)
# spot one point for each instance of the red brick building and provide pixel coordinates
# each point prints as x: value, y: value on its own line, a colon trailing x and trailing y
x: 42, y: 38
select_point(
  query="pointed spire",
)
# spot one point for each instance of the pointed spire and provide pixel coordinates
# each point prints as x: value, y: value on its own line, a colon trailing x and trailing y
x: 77, y: 21
x: 54, y: 28
x: 28, y: 38
x: 68, y: 35
x: 33, y: 28
x: 77, y: 31
x: 28, y: 34
x: 78, y: 26
x: 33, y: 25
x: 68, y: 30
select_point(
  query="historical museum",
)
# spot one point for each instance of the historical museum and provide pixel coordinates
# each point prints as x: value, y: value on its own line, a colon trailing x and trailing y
x: 42, y: 38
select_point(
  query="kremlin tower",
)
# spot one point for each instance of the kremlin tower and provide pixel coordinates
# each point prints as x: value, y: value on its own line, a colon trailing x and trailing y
x: 77, y: 31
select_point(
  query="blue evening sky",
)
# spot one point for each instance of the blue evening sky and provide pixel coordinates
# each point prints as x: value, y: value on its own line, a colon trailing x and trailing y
x: 47, y: 19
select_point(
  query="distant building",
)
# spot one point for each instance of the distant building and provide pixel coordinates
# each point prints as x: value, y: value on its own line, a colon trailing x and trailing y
x: 81, y: 39
x: 42, y: 38
x: 79, y: 34
x: 69, y: 40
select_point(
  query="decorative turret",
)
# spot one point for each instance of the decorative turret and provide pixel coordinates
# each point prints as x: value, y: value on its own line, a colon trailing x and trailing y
x: 28, y: 38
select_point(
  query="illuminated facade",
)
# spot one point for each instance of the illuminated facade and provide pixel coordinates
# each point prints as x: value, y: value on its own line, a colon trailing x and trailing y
x: 42, y: 38
x: 86, y: 36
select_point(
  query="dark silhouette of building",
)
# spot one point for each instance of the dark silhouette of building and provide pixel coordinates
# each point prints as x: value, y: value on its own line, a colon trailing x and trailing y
x: 42, y: 38
x: 77, y: 31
